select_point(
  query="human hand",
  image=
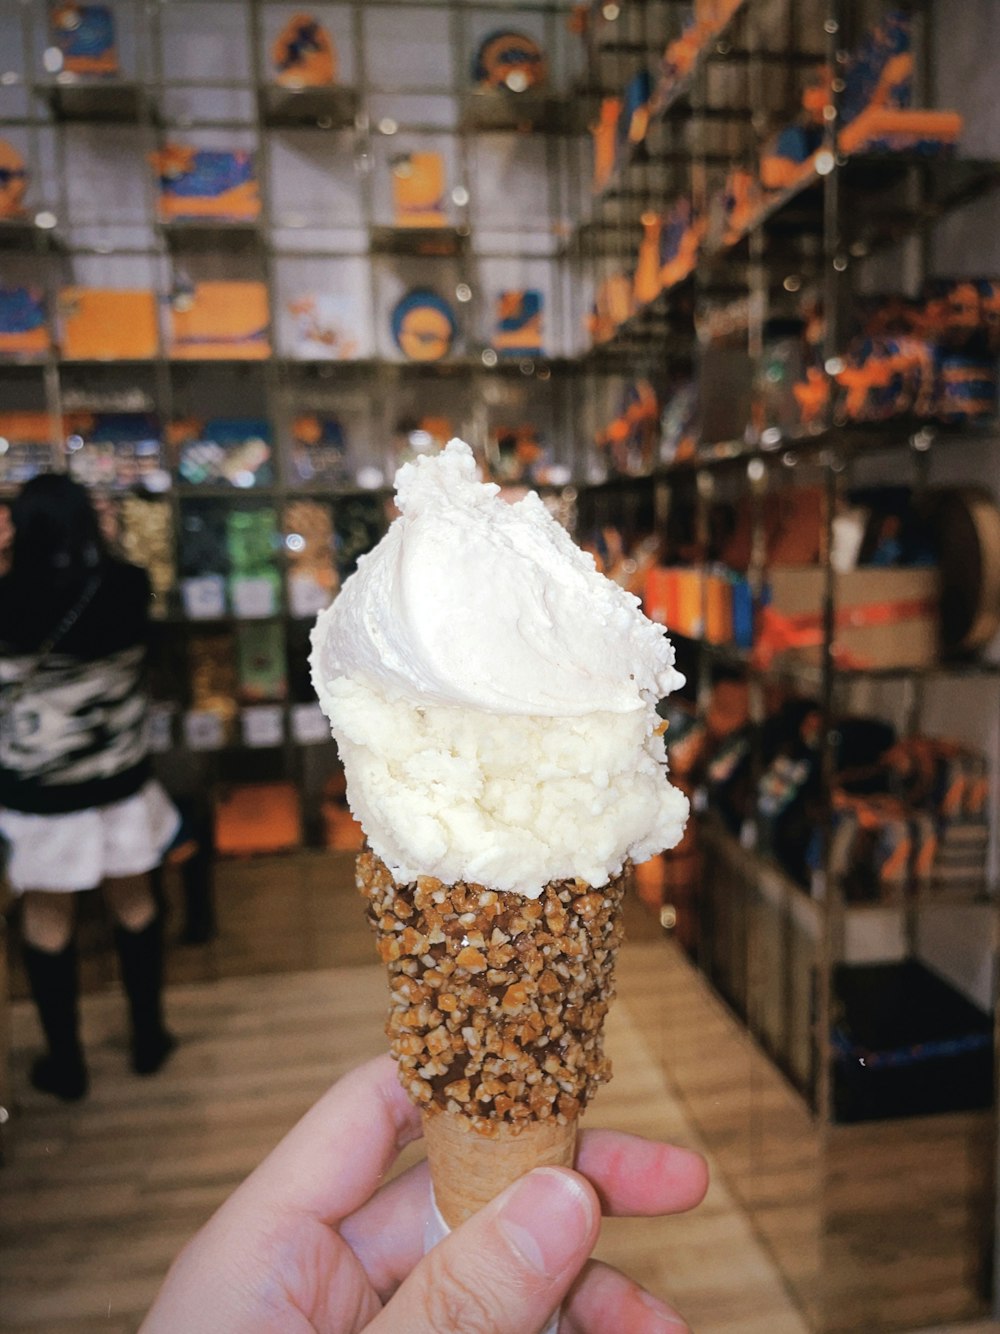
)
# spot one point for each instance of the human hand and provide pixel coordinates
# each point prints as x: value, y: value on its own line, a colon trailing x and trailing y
x: 309, y: 1242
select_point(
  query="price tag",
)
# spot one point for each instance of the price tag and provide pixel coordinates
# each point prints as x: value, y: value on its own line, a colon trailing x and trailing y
x: 204, y: 597
x: 309, y: 725
x: 262, y: 726
x: 253, y: 598
x: 203, y: 730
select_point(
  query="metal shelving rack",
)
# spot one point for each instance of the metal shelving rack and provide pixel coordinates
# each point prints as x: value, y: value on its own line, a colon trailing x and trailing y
x: 228, y: 97
x: 835, y: 1202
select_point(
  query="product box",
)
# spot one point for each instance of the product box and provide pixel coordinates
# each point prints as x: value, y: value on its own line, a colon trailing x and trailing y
x: 418, y: 190
x: 147, y: 539
x: 510, y: 60
x: 324, y: 327
x: 304, y: 54
x: 199, y: 183
x: 84, y: 36
x: 884, y: 617
x: 108, y: 324
x: 24, y: 331
x: 220, y: 321
x: 264, y: 817
x: 518, y: 328
x: 13, y: 181
x: 309, y: 543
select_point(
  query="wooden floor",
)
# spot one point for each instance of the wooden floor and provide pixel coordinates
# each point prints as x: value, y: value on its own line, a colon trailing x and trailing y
x: 95, y: 1199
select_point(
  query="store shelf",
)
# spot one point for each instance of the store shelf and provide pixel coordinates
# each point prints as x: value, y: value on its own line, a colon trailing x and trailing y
x: 114, y: 100
x: 492, y: 110
x: 420, y: 242
x: 282, y: 107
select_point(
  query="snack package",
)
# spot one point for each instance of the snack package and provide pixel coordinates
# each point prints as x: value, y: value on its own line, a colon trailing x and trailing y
x: 418, y: 190
x: 222, y: 451
x: 197, y: 183
x: 424, y: 326
x: 24, y: 330
x: 119, y: 450
x: 319, y: 450
x: 108, y: 324
x: 518, y: 328
x: 494, y: 698
x: 304, y: 54
x: 510, y: 60
x: 220, y: 321
x: 28, y: 438
x: 13, y: 181
x: 84, y: 35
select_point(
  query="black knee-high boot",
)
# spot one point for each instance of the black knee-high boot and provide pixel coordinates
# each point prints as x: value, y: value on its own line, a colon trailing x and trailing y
x: 54, y: 986
x: 141, y: 956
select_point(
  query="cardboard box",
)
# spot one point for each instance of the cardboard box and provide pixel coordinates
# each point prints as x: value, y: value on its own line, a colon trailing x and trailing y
x: 885, y: 617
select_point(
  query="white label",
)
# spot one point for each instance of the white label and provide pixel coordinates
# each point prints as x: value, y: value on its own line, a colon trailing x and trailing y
x: 203, y: 730
x: 204, y: 597
x: 262, y: 725
x: 309, y: 725
x: 254, y: 598
x: 306, y: 596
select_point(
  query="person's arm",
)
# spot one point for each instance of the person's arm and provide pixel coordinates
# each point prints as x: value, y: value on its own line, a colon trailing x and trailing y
x: 311, y: 1242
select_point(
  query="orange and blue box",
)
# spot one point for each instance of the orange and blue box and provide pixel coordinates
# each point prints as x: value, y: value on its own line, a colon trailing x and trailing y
x: 518, y: 331
x: 197, y: 183
x: 24, y: 329
x: 220, y: 321
x: 84, y: 35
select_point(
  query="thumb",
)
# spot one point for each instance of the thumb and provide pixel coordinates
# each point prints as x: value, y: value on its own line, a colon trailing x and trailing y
x: 505, y: 1270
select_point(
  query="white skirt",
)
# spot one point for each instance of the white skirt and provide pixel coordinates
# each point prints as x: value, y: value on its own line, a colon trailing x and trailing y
x: 68, y: 853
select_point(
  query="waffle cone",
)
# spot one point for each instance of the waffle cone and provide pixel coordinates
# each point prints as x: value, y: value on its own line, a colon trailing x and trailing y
x: 468, y: 1169
x: 497, y: 1008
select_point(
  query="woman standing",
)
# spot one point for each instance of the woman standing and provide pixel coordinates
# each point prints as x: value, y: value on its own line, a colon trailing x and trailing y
x: 80, y: 808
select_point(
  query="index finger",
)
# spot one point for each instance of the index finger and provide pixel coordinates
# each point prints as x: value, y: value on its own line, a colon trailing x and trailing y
x: 336, y: 1156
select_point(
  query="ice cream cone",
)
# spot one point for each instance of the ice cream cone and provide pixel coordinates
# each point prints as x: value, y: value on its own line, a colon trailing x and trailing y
x: 496, y: 1019
x: 468, y: 1169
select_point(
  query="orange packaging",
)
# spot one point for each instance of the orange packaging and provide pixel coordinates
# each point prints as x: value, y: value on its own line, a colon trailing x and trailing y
x: 104, y: 324
x: 418, y: 190
x: 24, y: 328
x: 260, y: 817
x: 718, y: 609
x: 660, y: 598
x: 304, y: 54
x: 890, y: 129
x: 220, y: 321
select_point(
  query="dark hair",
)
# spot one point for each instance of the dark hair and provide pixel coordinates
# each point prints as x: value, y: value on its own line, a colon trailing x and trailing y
x: 57, y: 537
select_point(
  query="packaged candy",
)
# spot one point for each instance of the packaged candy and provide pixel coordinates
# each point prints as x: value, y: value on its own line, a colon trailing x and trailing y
x: 518, y: 330
x: 510, y: 60
x: 115, y: 450
x: 85, y: 37
x: 108, y: 324
x: 13, y: 181
x: 318, y: 453
x: 418, y: 190
x: 222, y: 451
x: 220, y: 321
x: 24, y: 328
x: 424, y: 326
x: 206, y: 183
x: 309, y: 555
x: 304, y: 54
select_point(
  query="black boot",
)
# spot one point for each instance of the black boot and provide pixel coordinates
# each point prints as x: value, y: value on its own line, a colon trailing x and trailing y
x: 141, y: 956
x: 55, y: 987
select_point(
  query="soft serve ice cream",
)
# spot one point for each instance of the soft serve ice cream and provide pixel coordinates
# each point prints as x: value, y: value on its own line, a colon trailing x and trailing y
x: 493, y: 695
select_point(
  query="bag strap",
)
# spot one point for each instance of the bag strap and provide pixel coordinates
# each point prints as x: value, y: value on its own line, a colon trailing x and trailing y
x: 60, y: 632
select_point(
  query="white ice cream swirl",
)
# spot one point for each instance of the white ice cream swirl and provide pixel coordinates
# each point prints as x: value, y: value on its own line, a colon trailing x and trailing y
x: 493, y: 695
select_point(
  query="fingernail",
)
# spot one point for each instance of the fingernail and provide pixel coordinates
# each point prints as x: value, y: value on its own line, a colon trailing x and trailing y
x: 546, y: 1217
x: 663, y: 1313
